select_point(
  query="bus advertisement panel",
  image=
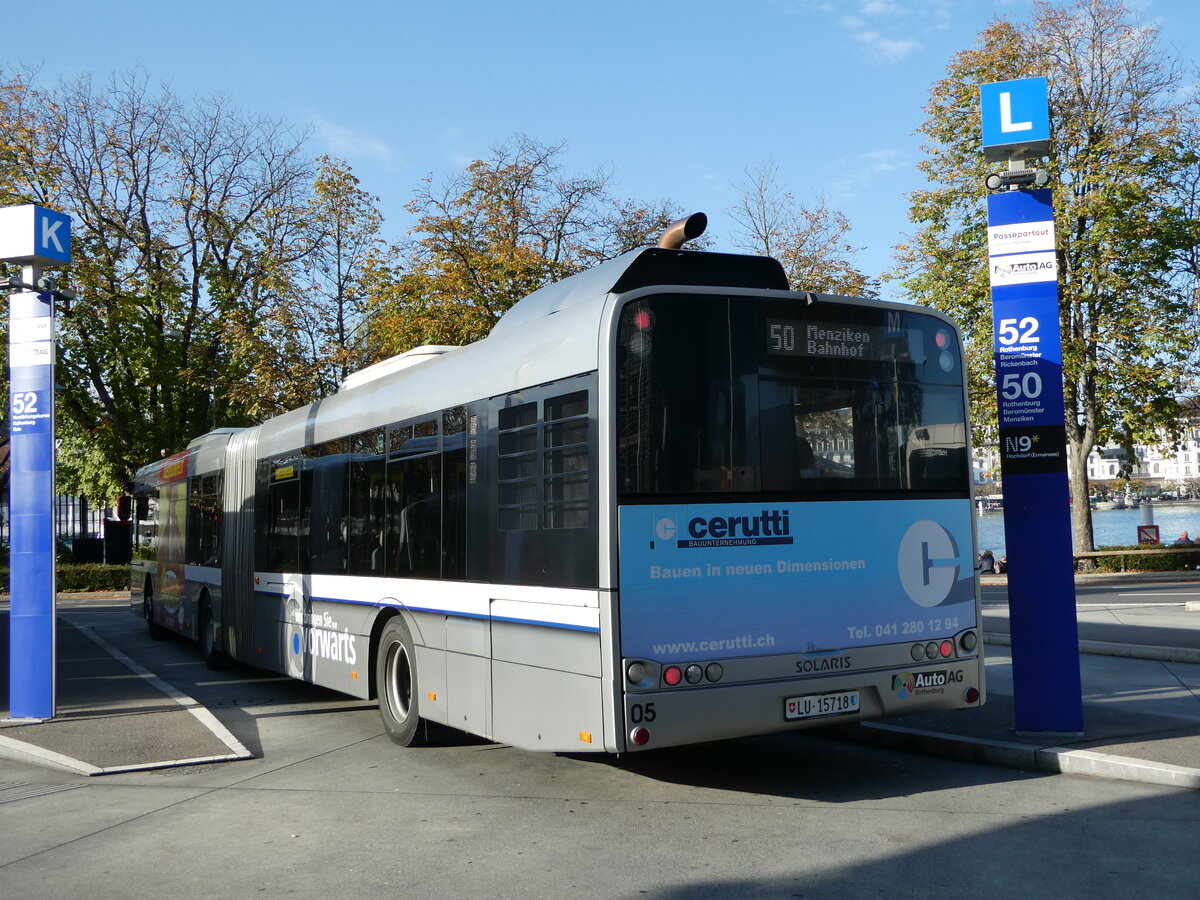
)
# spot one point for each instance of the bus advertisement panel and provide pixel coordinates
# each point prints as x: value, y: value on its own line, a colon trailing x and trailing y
x: 761, y: 579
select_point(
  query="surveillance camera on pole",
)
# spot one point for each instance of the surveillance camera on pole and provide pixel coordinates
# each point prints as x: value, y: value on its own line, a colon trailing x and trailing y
x: 1017, y: 178
x: 45, y: 284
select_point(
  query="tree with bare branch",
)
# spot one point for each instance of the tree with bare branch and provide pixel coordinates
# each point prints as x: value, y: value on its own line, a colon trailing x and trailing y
x: 1123, y: 143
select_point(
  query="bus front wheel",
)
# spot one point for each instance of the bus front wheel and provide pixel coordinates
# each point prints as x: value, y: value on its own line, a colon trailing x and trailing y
x: 396, y: 680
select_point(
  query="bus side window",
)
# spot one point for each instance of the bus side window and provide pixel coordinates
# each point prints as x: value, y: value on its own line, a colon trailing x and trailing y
x: 454, y: 493
x: 282, y: 533
x: 366, y: 503
x: 566, y: 488
x: 543, y: 449
x: 517, y: 490
x: 204, y: 519
x: 324, y: 500
x: 145, y: 511
x: 414, y: 505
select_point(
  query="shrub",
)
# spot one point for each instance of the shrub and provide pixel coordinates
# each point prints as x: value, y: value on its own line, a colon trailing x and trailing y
x: 1146, y: 561
x: 83, y: 577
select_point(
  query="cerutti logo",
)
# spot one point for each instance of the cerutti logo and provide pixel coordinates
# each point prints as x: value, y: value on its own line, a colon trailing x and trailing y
x: 664, y: 529
x: 928, y: 563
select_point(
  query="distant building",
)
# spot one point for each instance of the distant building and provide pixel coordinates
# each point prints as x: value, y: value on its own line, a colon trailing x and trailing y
x: 1169, y: 470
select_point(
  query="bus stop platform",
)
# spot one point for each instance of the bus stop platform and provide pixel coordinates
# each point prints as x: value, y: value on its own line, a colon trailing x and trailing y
x: 1140, y: 673
x: 113, y: 714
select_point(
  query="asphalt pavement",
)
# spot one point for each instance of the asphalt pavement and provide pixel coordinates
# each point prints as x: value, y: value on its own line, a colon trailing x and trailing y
x: 1139, y: 666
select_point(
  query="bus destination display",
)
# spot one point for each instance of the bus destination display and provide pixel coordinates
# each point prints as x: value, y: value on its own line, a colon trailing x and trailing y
x: 830, y: 340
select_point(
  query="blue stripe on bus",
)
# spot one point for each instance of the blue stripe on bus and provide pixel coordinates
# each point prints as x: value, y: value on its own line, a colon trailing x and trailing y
x: 445, y: 612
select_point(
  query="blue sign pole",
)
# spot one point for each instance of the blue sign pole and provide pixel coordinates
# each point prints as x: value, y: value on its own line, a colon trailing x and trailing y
x: 1033, y: 462
x: 1023, y: 271
x: 31, y: 507
x: 32, y: 237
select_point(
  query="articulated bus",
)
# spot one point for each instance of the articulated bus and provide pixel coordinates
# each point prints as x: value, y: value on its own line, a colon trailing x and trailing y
x: 667, y: 500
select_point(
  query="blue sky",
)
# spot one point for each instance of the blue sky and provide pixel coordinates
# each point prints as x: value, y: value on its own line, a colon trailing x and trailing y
x: 676, y: 99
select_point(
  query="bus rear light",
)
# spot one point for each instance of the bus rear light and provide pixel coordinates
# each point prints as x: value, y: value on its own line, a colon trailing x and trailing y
x: 971, y: 695
x: 636, y: 673
x: 672, y: 675
x: 693, y: 674
x: 968, y: 641
x: 937, y: 649
x: 714, y: 671
x: 640, y: 736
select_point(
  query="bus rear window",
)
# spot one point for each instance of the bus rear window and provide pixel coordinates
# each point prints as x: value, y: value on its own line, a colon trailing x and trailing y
x: 744, y: 395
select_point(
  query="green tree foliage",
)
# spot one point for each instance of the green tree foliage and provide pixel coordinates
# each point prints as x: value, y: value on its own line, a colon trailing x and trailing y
x: 187, y: 222
x: 22, y: 138
x: 1119, y: 157
x: 810, y: 242
x: 1188, y: 262
x: 494, y: 233
x: 333, y: 298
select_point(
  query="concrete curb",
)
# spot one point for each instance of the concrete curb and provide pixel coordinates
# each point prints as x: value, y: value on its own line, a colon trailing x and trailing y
x: 1117, y: 768
x: 6, y: 599
x: 21, y: 751
x: 1109, y: 578
x: 1012, y: 755
x: 40, y: 756
x: 1107, y: 648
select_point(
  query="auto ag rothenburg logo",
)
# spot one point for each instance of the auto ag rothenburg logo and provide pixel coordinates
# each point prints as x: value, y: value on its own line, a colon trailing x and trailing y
x: 928, y: 563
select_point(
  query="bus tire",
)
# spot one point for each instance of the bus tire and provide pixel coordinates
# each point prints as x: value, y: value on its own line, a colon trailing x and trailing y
x: 214, y: 659
x: 396, y: 681
x: 157, y: 632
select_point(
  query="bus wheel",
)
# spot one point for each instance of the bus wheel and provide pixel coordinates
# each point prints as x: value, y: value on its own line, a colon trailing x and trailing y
x: 396, y: 679
x: 157, y: 632
x: 213, y: 658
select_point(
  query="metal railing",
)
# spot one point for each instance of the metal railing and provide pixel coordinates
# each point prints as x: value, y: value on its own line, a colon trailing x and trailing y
x: 74, y: 517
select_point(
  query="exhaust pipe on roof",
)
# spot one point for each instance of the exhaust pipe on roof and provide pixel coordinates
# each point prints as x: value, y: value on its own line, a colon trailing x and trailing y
x: 683, y: 231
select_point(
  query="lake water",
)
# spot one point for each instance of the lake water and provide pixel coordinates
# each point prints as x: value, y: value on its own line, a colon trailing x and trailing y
x: 1110, y: 526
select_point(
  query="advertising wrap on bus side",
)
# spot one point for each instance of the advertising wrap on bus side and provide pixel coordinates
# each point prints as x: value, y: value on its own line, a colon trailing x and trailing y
x: 800, y: 584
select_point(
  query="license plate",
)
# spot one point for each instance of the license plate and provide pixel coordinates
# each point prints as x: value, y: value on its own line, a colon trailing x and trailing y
x: 814, y: 706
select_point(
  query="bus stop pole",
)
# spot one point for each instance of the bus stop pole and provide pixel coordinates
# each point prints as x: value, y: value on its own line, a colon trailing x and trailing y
x: 32, y: 613
x: 32, y: 237
x: 1023, y: 274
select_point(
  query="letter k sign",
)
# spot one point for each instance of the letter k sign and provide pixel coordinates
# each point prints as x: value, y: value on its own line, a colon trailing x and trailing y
x: 50, y: 232
x: 53, y: 233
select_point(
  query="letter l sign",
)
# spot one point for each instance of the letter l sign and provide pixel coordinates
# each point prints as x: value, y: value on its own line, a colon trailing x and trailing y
x: 1007, y: 125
